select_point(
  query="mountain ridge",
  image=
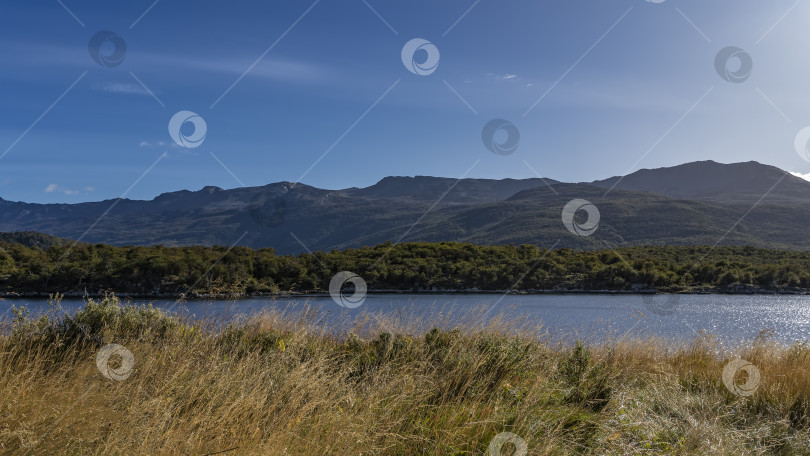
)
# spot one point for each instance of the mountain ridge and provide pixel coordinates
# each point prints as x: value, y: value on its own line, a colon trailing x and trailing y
x: 676, y: 205
x: 709, y: 179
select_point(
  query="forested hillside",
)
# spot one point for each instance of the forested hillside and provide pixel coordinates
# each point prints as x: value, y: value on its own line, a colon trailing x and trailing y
x: 153, y: 271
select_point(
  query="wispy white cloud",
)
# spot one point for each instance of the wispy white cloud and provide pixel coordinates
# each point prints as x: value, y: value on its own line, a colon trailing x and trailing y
x: 800, y: 175
x: 40, y: 55
x: 508, y: 77
x: 155, y: 144
x: 121, y: 87
x: 54, y: 188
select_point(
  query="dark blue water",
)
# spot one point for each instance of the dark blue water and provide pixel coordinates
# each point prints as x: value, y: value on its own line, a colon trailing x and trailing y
x: 732, y: 318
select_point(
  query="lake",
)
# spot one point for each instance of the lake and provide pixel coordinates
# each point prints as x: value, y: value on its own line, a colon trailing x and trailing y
x: 732, y: 318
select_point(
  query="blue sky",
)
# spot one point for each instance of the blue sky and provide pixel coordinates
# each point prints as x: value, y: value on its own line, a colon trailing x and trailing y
x: 621, y: 84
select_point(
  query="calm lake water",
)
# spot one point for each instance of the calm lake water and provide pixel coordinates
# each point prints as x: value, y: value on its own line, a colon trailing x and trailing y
x: 732, y: 318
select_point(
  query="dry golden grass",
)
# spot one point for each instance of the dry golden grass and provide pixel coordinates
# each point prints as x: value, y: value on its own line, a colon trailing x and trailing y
x: 278, y: 385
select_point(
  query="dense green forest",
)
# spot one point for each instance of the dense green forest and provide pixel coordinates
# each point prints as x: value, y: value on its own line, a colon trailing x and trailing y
x: 47, y: 267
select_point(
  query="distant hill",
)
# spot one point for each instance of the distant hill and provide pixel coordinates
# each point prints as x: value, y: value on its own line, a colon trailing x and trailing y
x: 695, y: 203
x: 715, y: 181
x: 33, y: 239
x: 424, y: 188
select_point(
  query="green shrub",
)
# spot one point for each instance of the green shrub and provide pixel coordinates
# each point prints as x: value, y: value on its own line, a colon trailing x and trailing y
x: 588, y: 382
x: 98, y: 322
x: 240, y: 341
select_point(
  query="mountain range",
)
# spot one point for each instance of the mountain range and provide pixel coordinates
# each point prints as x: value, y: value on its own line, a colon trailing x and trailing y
x: 691, y: 204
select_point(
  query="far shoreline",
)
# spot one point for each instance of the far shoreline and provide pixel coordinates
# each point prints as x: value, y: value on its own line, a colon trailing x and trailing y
x: 243, y: 296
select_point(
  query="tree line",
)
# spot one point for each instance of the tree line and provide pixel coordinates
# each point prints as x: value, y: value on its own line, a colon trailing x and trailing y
x: 420, y: 266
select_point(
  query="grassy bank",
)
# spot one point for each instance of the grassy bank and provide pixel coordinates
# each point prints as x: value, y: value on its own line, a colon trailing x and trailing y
x: 280, y: 385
